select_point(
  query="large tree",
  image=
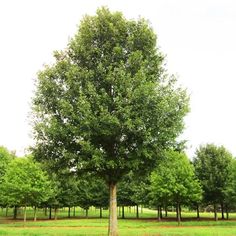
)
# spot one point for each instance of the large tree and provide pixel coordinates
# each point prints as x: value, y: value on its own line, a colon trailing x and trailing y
x: 107, y: 104
x: 212, y: 165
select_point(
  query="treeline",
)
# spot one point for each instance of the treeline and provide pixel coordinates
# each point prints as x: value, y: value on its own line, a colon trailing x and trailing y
x: 209, y: 180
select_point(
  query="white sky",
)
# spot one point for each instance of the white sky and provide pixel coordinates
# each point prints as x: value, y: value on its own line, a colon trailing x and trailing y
x: 198, y: 37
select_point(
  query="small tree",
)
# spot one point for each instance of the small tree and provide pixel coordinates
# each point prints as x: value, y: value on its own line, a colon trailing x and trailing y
x: 212, y: 165
x: 5, y: 158
x: 174, y: 180
x: 107, y: 105
x: 25, y: 184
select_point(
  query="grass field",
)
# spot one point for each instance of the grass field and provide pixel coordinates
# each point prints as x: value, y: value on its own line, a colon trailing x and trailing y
x: 147, y: 225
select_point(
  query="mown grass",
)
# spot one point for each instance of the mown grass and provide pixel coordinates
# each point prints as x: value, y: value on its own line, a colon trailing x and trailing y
x: 147, y: 225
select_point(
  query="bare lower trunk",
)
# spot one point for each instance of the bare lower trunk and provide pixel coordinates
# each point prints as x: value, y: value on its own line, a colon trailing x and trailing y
x: 113, y: 226
x: 50, y: 212
x: 100, y: 212
x: 15, y: 213
x: 198, y: 215
x: 123, y: 212
x: 24, y: 214
x: 74, y: 212
x: 35, y: 213
x: 227, y: 212
x: 68, y: 212
x: 45, y: 211
x: 6, y: 211
x: 215, y: 213
x: 222, y: 211
x: 159, y: 213
x: 137, y: 212
x: 166, y: 212
x: 55, y: 213
x: 86, y: 212
x: 178, y: 213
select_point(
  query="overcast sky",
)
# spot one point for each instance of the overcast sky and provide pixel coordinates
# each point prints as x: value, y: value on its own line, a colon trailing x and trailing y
x: 198, y: 38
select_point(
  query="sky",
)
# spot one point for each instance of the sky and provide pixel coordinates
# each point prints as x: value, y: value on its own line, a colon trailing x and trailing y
x: 197, y: 36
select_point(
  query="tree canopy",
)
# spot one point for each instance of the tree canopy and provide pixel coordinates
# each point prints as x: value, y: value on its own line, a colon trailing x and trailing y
x: 25, y: 184
x: 107, y: 104
x: 174, y: 181
x: 212, y: 165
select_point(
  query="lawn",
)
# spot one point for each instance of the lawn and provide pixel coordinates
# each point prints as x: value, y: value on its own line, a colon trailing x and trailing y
x: 95, y: 226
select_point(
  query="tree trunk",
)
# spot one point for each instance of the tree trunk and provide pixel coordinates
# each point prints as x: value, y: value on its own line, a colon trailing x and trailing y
x: 137, y: 213
x: 6, y: 211
x: 227, y: 212
x: 198, y: 215
x: 68, y: 212
x: 24, y: 214
x: 74, y: 212
x: 215, y: 213
x: 55, y: 213
x: 166, y: 212
x: 178, y: 213
x: 222, y: 211
x: 161, y: 212
x: 86, y: 212
x: 35, y: 213
x: 123, y: 212
x: 113, y: 226
x: 45, y: 211
x: 15, y: 213
x: 100, y: 212
x: 50, y: 213
x: 158, y: 213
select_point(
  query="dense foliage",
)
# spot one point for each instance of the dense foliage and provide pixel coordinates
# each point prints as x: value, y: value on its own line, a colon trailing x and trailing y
x: 107, y: 104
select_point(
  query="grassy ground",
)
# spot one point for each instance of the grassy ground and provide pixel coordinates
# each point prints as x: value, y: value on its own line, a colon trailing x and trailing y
x: 147, y: 225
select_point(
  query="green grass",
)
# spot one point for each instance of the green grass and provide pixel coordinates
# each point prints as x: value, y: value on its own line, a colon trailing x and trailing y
x: 147, y: 225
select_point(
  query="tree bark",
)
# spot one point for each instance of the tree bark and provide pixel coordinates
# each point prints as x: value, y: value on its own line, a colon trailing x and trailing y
x: 123, y: 212
x: 222, y: 211
x: 100, y: 212
x: 198, y: 215
x: 137, y: 212
x: 6, y: 211
x: 74, y: 212
x: 166, y: 212
x: 35, y: 213
x: 161, y: 212
x: 86, y: 212
x: 158, y: 213
x: 55, y: 213
x: 113, y: 226
x: 227, y: 212
x: 45, y: 211
x: 15, y: 213
x: 215, y: 213
x: 68, y: 212
x: 178, y: 213
x: 24, y: 214
x: 50, y: 213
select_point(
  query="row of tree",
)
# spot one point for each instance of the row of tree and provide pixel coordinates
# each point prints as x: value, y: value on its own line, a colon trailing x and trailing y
x: 209, y: 180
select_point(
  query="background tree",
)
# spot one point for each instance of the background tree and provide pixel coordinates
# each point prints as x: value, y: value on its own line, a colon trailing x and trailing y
x: 174, y: 180
x: 25, y: 184
x: 212, y: 165
x: 230, y: 190
x: 5, y: 158
x: 107, y: 104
